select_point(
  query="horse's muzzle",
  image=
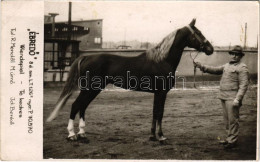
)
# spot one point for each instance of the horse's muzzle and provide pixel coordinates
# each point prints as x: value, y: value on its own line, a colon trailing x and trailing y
x: 208, y: 50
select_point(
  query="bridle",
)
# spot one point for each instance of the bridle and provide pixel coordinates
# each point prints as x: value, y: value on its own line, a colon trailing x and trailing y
x: 202, y: 45
x: 195, y: 36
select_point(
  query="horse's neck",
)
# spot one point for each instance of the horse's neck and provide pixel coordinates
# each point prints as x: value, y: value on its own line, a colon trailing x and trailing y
x: 177, y: 49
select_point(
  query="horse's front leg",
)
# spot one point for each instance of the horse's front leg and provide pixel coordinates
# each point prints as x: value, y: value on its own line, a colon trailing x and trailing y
x: 153, y: 130
x: 160, y: 133
x: 158, y: 109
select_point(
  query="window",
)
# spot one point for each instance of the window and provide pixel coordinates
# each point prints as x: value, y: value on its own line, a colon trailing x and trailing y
x: 51, y: 56
x: 97, y: 40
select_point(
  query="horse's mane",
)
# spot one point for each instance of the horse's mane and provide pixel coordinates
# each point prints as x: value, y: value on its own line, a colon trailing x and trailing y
x: 162, y: 49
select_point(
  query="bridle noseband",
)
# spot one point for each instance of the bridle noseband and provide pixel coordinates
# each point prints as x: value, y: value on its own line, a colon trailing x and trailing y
x: 195, y: 36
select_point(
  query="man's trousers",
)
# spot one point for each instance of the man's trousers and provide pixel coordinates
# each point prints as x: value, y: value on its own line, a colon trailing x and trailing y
x: 231, y: 120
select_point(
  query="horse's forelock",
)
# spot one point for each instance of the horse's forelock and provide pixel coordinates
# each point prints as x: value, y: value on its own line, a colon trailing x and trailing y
x: 162, y: 49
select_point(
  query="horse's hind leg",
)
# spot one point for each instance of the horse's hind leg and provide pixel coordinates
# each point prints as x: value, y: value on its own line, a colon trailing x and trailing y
x: 91, y: 94
x: 74, y: 110
x: 81, y: 103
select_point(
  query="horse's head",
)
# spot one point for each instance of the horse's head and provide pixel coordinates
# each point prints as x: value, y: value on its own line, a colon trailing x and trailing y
x: 197, y: 40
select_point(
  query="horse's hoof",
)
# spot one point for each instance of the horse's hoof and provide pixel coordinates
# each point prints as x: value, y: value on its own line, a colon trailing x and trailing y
x: 162, y: 140
x: 72, y: 138
x: 82, y: 137
x: 153, y: 138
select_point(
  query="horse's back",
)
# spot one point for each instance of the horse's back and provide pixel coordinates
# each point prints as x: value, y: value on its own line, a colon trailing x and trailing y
x: 111, y: 64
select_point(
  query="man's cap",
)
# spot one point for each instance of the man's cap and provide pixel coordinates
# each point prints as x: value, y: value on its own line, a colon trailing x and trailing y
x: 237, y: 50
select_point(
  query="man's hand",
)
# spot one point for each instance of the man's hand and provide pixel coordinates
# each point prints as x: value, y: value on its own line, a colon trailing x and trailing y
x: 197, y: 64
x: 236, y: 103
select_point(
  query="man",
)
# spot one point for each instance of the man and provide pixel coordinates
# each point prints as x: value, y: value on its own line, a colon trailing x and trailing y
x: 233, y: 85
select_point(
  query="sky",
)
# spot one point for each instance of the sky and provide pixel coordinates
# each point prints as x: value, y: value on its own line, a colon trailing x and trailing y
x: 221, y: 22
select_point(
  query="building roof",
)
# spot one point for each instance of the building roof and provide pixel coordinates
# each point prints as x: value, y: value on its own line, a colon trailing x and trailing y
x: 66, y: 22
x: 63, y: 31
x: 63, y: 27
x: 88, y: 20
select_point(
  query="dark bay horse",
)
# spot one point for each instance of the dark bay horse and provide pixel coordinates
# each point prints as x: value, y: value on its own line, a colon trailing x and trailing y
x: 152, y: 71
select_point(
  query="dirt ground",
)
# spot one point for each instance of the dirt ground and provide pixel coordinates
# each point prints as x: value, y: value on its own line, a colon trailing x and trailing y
x: 118, y: 126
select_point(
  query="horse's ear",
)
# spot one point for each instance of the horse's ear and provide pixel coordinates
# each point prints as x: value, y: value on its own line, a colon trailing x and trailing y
x: 192, y: 23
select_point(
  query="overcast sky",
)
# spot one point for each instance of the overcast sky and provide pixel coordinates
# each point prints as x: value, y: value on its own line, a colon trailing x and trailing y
x: 222, y: 22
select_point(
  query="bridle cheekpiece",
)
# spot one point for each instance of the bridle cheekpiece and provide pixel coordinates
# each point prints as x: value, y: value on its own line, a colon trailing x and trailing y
x: 202, y: 42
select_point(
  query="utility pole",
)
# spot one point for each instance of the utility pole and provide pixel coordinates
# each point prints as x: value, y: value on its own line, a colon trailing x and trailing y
x: 257, y: 42
x: 245, y: 36
x: 69, y: 24
x: 125, y: 38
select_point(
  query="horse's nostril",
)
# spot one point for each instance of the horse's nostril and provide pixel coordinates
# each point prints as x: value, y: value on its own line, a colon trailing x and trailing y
x: 210, y: 50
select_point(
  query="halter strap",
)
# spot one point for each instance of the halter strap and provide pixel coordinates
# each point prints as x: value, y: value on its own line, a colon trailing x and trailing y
x: 190, y: 29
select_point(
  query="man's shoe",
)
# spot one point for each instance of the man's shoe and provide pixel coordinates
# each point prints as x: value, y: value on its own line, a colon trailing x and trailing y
x: 223, y: 142
x: 230, y: 145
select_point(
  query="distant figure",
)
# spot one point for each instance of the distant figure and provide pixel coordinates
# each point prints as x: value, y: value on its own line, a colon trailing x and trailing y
x: 233, y: 86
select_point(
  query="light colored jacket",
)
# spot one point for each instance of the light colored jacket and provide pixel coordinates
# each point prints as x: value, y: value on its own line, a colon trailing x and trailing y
x: 234, y: 81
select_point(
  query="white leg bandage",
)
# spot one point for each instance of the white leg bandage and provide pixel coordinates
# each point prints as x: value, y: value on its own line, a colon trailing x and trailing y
x: 70, y: 128
x: 81, y: 126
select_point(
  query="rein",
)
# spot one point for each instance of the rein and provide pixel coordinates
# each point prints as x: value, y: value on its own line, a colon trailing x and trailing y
x: 194, y: 69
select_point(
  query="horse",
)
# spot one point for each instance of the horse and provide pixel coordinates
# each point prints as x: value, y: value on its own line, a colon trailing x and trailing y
x: 151, y: 71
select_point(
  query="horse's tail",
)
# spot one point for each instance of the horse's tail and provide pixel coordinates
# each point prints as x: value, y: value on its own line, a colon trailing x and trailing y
x: 70, y: 86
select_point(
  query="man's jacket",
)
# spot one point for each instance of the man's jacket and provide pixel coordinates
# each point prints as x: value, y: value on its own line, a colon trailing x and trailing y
x: 234, y: 81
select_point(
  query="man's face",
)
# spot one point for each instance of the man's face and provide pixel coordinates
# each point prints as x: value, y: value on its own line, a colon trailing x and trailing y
x: 235, y: 57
